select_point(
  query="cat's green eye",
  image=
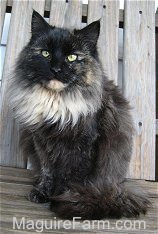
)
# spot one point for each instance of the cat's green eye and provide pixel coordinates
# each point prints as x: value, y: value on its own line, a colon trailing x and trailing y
x: 45, y: 53
x: 72, y: 57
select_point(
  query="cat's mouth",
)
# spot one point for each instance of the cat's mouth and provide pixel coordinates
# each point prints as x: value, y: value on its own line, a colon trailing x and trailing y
x: 56, y: 85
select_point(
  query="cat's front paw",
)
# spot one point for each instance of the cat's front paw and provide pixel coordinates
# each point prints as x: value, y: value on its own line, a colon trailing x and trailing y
x: 37, y: 197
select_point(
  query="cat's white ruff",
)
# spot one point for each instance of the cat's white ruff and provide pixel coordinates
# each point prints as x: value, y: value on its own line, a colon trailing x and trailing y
x: 37, y: 104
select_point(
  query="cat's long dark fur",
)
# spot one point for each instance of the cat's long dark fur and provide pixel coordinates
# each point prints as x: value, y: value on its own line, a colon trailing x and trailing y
x: 78, y: 129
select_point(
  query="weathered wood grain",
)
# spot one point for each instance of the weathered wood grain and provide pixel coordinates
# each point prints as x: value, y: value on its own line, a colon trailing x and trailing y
x: 139, y: 59
x: 19, y: 33
x: 11, y: 171
x: 108, y: 12
x: 139, y: 83
x: 15, y: 204
x: 3, y: 5
x: 121, y: 12
x: 18, y: 179
x: 66, y: 14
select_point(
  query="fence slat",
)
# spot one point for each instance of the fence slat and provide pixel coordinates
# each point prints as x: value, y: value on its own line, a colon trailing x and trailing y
x: 3, y: 10
x: 108, y: 12
x: 139, y: 83
x: 19, y: 33
x: 66, y: 14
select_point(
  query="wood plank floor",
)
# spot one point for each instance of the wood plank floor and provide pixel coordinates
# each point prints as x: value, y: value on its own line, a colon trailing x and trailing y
x: 16, y: 183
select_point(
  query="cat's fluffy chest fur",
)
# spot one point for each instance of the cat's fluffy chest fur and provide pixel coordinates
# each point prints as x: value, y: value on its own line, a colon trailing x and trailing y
x: 38, y: 104
x: 76, y: 125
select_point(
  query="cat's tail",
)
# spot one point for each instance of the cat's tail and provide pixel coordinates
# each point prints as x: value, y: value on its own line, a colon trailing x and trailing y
x: 91, y: 202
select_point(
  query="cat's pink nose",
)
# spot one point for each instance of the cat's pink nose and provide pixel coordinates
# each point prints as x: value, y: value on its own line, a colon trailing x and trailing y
x: 55, y: 69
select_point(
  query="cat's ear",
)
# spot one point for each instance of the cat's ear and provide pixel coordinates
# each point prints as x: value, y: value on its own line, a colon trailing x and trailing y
x: 38, y: 23
x: 91, y: 32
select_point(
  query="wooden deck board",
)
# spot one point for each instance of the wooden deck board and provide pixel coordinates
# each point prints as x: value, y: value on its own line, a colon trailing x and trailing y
x: 139, y: 56
x: 16, y: 183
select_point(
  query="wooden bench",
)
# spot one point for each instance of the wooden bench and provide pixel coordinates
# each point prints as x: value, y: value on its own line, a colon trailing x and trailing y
x: 15, y: 185
x: 137, y: 81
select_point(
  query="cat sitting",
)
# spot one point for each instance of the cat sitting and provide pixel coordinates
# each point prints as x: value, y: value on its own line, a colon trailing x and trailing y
x: 77, y: 127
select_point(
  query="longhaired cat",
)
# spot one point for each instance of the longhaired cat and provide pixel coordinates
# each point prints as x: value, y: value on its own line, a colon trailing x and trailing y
x: 77, y: 129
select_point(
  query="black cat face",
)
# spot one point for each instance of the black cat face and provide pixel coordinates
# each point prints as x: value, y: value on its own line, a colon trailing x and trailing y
x: 58, y: 56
